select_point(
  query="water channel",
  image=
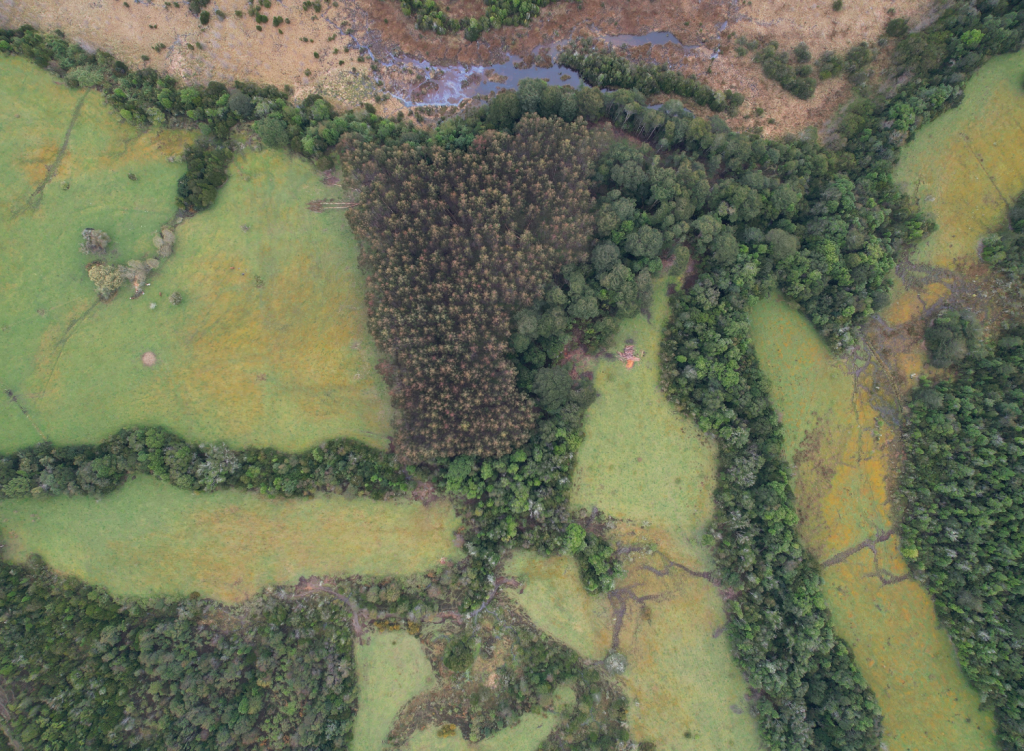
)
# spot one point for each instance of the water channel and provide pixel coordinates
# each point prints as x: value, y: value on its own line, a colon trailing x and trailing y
x: 440, y: 85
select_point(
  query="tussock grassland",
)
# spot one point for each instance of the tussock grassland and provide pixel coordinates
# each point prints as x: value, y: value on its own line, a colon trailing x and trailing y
x: 392, y: 670
x: 150, y: 538
x: 648, y: 466
x: 270, y: 344
x: 837, y: 444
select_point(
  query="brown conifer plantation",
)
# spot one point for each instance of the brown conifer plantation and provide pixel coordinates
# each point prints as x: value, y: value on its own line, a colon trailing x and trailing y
x: 454, y: 243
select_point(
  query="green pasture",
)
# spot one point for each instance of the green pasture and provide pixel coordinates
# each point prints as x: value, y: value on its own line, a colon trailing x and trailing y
x: 392, y: 670
x: 964, y: 166
x: 152, y: 538
x: 837, y: 445
x: 648, y: 466
x: 270, y: 345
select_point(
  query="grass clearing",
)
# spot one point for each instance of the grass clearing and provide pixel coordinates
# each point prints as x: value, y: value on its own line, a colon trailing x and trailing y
x: 558, y: 604
x: 837, y: 445
x: 151, y: 538
x: 270, y: 344
x: 649, y: 467
x: 981, y: 168
x: 392, y: 670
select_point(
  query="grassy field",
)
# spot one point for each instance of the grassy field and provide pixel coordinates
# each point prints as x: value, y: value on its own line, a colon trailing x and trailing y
x: 151, y: 538
x: 646, y: 465
x: 982, y: 164
x: 270, y: 344
x: 392, y: 670
x: 837, y: 445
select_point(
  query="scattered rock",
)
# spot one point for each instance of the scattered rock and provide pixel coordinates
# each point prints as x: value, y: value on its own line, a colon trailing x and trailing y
x: 149, y: 359
x: 615, y: 663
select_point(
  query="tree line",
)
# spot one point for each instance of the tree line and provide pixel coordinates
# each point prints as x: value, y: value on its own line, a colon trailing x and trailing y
x: 336, y: 464
x: 811, y: 695
x: 430, y: 16
x: 964, y: 518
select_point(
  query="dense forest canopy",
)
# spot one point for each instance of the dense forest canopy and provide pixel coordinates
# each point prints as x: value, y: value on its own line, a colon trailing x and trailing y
x: 83, y: 671
x: 455, y: 243
x: 963, y: 530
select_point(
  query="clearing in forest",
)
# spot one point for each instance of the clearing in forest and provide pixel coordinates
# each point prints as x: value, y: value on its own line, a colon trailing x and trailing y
x: 268, y: 347
x: 392, y: 670
x: 151, y: 538
x: 838, y: 446
x: 646, y: 465
x: 981, y: 169
x: 967, y: 191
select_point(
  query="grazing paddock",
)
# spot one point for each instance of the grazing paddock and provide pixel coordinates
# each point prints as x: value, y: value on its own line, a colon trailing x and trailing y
x: 268, y: 347
x: 150, y: 538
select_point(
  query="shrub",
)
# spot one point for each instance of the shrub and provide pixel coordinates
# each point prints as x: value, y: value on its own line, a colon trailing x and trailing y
x: 106, y: 278
x: 952, y: 336
x: 204, y: 17
x: 799, y: 80
x: 897, y: 28
x: 459, y: 654
x: 94, y: 242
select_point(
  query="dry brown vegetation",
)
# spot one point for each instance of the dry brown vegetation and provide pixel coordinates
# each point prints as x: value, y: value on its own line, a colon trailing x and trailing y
x: 233, y: 48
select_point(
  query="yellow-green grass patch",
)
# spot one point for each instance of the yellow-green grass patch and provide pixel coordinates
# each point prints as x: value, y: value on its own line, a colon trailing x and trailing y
x: 151, y: 538
x: 270, y: 345
x: 526, y: 735
x: 392, y: 670
x: 838, y: 448
x: 966, y: 165
x: 554, y: 597
x: 648, y: 466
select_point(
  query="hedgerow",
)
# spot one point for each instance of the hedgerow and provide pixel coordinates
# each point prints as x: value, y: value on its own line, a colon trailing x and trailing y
x: 95, y: 470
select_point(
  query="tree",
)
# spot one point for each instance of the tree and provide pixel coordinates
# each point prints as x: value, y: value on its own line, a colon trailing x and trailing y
x: 552, y: 387
x: 272, y: 131
x: 953, y: 335
x: 459, y: 654
x: 106, y: 278
x: 241, y: 104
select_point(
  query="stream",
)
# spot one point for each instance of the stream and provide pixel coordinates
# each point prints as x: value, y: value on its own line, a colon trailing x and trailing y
x: 453, y: 84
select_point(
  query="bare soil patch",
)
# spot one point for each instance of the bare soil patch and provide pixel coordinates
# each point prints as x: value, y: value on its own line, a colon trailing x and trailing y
x: 149, y: 359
